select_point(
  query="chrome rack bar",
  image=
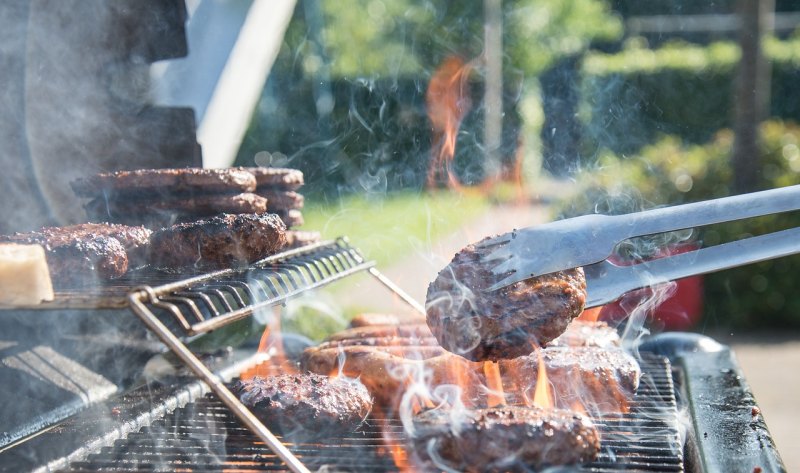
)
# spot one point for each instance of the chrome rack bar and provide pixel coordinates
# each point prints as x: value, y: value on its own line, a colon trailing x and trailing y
x: 397, y: 290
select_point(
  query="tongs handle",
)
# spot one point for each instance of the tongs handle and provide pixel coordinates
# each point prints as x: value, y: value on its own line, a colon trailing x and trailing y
x: 726, y: 209
x: 607, y: 282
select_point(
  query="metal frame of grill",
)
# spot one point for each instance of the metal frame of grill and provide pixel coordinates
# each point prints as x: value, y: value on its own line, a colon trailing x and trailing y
x: 200, y: 304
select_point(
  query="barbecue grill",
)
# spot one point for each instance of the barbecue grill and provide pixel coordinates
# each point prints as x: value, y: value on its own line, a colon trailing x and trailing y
x: 692, y: 412
x: 74, y: 397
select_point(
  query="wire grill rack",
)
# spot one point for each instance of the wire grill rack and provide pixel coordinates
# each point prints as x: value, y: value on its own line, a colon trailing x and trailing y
x: 210, y: 301
x: 203, y: 303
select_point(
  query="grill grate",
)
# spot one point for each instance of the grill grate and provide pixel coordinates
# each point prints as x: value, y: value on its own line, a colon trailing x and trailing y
x: 207, y: 302
x: 205, y: 436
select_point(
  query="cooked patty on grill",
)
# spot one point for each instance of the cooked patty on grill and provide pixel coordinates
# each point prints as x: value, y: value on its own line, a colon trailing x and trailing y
x: 504, y: 439
x: 218, y: 242
x: 84, y: 252
x: 298, y: 239
x: 502, y: 324
x: 146, y: 210
x: 306, y: 405
x: 602, y: 380
x: 282, y: 200
x: 277, y: 178
x: 372, y: 319
x: 587, y: 334
x: 84, y: 260
x: 163, y: 182
x: 291, y: 217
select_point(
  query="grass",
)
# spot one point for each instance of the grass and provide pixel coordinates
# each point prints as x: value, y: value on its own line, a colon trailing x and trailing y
x: 390, y: 227
x: 385, y: 229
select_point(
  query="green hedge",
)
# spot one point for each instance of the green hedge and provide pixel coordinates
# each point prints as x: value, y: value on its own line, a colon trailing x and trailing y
x: 376, y: 137
x: 671, y: 172
x: 633, y: 97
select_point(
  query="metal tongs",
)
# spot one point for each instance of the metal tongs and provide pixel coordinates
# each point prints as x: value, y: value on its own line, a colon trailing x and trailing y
x: 589, y: 240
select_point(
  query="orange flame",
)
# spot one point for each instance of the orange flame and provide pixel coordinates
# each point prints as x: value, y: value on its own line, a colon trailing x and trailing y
x: 400, y: 457
x: 448, y: 102
x: 392, y: 444
x: 590, y: 315
x: 578, y: 407
x: 461, y: 372
x: 542, y: 397
x: 495, y: 395
x: 271, y: 344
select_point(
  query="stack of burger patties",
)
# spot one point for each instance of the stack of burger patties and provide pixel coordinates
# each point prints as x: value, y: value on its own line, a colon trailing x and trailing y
x: 202, y: 217
x: 279, y: 186
x: 157, y: 198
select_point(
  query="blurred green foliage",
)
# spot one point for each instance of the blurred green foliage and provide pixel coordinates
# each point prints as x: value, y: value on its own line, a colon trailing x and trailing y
x: 380, y: 38
x: 632, y: 97
x: 345, y: 99
x: 672, y: 172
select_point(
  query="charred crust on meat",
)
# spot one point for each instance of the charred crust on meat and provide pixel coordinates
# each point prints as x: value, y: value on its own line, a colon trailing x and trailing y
x: 282, y: 200
x: 88, y: 252
x: 276, y: 178
x: 158, y: 212
x: 306, y: 405
x: 161, y: 182
x: 291, y: 217
x: 504, y: 439
x: 218, y: 242
x: 490, y: 325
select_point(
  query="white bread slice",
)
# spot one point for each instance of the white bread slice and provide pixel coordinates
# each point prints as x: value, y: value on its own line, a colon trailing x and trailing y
x: 24, y: 276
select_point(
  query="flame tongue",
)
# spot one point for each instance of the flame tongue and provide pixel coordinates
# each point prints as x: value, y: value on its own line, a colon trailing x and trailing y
x: 448, y: 103
x: 271, y: 346
x: 590, y: 315
x: 542, y: 397
x: 495, y: 393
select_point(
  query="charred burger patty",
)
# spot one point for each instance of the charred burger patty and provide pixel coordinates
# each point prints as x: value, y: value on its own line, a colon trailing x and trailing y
x: 308, y: 405
x: 504, y: 438
x: 480, y: 325
x: 218, y: 242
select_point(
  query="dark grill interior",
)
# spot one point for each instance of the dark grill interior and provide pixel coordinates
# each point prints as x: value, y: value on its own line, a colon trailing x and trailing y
x: 205, y: 436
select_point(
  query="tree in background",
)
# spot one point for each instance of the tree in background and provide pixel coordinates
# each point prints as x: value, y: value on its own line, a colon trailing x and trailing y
x: 379, y: 56
x: 751, y: 94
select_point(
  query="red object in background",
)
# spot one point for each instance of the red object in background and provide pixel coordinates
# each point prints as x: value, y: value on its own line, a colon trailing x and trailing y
x: 681, y: 309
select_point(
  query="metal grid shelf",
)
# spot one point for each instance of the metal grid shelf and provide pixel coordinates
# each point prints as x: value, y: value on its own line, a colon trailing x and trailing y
x: 206, y: 302
x: 213, y: 300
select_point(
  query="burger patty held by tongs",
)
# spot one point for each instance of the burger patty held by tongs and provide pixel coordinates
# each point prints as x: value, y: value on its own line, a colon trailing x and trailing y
x: 477, y: 324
